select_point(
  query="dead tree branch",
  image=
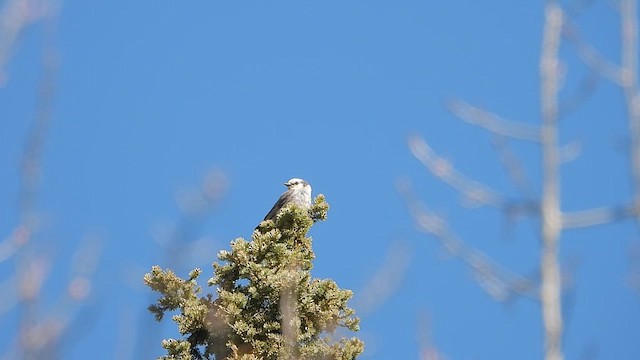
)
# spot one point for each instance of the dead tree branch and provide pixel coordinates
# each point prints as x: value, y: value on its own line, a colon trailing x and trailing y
x: 550, y: 291
x: 385, y: 280
x: 629, y: 84
x: 591, y: 56
x: 499, y: 282
x: 513, y: 166
x: 441, y: 168
x: 581, y: 94
x: 597, y: 216
x: 553, y: 220
x: 493, y: 123
x: 15, y: 16
x: 41, y: 325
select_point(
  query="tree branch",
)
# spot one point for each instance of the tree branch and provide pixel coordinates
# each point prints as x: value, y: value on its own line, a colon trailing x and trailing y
x: 493, y: 123
x: 585, y: 89
x: 442, y: 169
x: 385, y: 280
x: 597, y: 216
x: 513, y: 166
x: 499, y: 282
x: 15, y: 16
x: 629, y: 84
x: 550, y: 292
x: 590, y: 56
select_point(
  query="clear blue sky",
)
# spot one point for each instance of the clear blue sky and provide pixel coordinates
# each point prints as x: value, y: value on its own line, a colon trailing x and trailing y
x: 150, y: 96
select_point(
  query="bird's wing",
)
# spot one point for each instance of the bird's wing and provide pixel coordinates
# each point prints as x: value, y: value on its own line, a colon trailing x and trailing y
x: 282, y: 201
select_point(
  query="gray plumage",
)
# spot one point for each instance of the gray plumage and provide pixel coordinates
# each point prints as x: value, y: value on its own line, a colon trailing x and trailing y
x: 298, y: 192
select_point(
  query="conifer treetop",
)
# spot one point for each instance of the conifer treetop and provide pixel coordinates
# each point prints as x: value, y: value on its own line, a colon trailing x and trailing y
x: 267, y: 305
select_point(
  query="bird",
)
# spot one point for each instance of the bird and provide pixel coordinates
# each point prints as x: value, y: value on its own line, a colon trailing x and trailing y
x: 298, y: 193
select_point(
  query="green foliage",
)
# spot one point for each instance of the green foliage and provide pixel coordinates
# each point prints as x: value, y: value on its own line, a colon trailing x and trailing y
x: 267, y: 304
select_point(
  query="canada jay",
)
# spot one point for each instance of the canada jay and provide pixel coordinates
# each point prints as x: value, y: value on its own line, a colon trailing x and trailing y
x: 299, y: 193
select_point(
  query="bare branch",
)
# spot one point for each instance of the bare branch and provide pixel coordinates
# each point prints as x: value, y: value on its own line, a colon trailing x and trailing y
x: 629, y: 29
x: 32, y: 271
x: 598, y: 216
x: 493, y: 123
x: 15, y: 241
x: 428, y: 350
x: 513, y: 166
x: 386, y: 280
x: 590, y: 56
x: 499, y: 282
x: 38, y: 334
x: 551, y: 286
x: 569, y: 152
x: 583, y: 92
x: 629, y: 84
x: 442, y: 169
x: 178, y: 240
x: 15, y: 16
x: 495, y: 279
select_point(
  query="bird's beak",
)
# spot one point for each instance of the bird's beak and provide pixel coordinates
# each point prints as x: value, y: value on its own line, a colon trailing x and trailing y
x: 287, y: 184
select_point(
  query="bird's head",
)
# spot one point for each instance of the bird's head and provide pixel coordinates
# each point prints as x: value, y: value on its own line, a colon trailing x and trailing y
x: 297, y: 184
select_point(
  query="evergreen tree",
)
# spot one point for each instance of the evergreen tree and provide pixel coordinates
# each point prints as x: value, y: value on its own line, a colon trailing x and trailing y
x: 267, y: 306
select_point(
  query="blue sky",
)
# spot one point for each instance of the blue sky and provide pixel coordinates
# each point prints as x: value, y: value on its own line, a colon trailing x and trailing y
x: 151, y: 96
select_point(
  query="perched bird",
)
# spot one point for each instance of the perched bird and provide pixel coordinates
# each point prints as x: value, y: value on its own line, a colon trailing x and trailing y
x: 298, y: 192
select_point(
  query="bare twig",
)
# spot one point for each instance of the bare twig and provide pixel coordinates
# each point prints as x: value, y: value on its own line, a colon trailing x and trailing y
x: 499, y: 282
x: 15, y: 16
x: 583, y: 92
x: 39, y: 333
x: 496, y: 279
x: 591, y: 56
x: 493, y: 123
x: 569, y: 152
x: 35, y: 333
x: 629, y: 30
x: 471, y: 189
x: 598, y: 216
x: 177, y: 241
x: 550, y: 292
x: 386, y: 280
x: 428, y: 350
x: 18, y: 238
x: 513, y: 166
x: 629, y: 84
